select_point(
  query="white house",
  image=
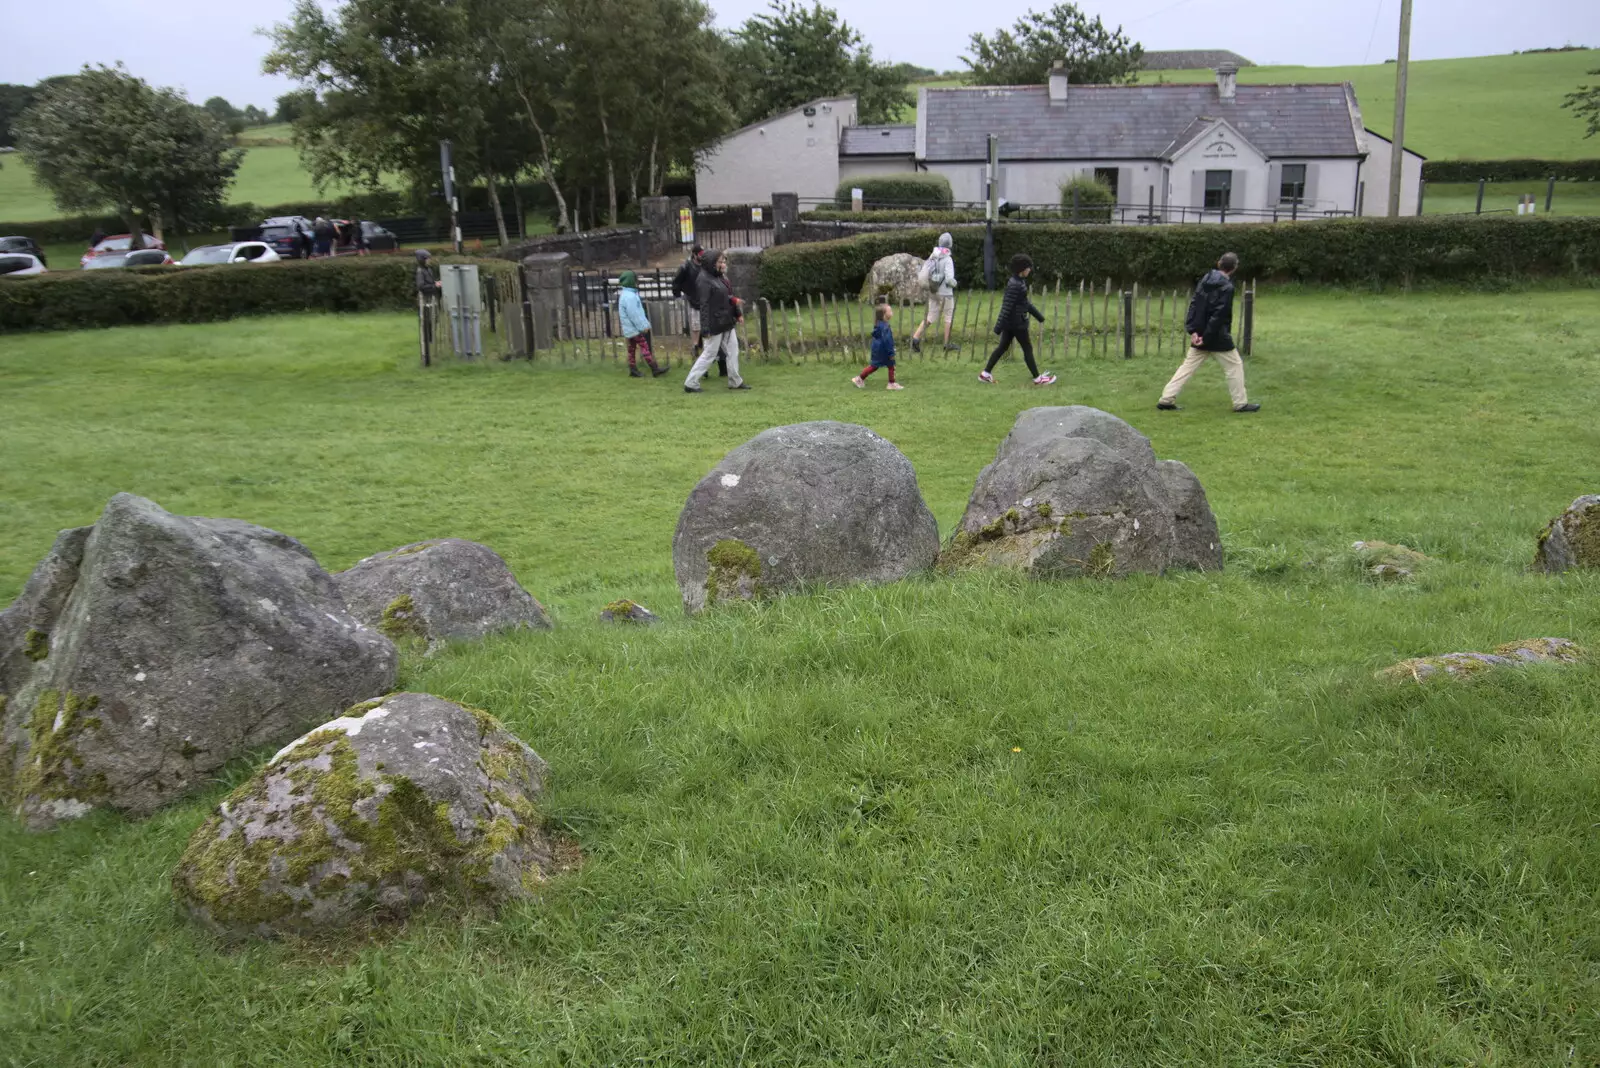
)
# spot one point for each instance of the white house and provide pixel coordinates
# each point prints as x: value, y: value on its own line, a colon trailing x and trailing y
x: 1172, y: 153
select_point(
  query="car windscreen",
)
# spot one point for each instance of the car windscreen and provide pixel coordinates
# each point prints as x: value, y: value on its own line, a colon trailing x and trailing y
x: 12, y: 264
x: 208, y: 254
x: 110, y: 259
x: 145, y: 258
x: 269, y: 233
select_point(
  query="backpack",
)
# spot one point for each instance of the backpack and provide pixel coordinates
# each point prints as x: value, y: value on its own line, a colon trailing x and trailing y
x: 938, y: 272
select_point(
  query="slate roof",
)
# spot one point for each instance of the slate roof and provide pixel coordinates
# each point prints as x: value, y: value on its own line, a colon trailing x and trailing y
x: 878, y: 141
x: 1134, y: 121
x: 1192, y: 59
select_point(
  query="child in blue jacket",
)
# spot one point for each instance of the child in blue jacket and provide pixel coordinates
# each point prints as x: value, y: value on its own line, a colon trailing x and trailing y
x: 882, y: 350
x: 635, y: 326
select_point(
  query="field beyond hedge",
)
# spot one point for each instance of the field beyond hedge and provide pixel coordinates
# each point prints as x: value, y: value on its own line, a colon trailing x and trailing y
x: 972, y: 820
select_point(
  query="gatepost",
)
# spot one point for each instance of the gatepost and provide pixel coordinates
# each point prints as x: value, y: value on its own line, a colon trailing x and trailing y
x: 547, y: 275
x: 785, y: 213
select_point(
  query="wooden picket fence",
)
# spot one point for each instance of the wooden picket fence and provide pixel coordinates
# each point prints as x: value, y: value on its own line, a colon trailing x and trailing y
x: 1085, y: 321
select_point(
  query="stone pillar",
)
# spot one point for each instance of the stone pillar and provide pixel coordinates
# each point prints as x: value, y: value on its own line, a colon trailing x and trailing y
x: 547, y: 274
x: 785, y: 213
x: 660, y: 216
x: 744, y: 267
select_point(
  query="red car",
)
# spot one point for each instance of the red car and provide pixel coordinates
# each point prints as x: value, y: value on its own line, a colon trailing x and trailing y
x: 117, y: 243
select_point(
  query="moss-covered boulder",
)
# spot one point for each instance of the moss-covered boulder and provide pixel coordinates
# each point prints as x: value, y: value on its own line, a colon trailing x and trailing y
x: 1572, y: 539
x: 1383, y: 562
x: 896, y: 279
x: 1466, y: 665
x: 150, y: 649
x: 626, y: 611
x: 821, y: 502
x: 447, y: 589
x: 367, y: 818
x: 1074, y: 491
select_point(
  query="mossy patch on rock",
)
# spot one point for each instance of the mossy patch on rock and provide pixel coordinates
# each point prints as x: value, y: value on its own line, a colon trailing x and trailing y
x: 1384, y: 562
x: 50, y: 783
x: 1466, y: 665
x: 36, y: 644
x: 401, y: 620
x: 1572, y: 539
x: 735, y: 572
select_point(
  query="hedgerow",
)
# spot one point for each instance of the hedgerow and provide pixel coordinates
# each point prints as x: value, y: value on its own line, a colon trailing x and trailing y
x: 1339, y: 252
x: 1511, y: 170
x: 896, y: 191
x: 72, y: 300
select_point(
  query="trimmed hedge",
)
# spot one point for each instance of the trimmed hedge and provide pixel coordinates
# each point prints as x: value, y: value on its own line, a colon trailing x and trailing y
x: 917, y: 215
x: 896, y: 191
x: 1339, y: 252
x: 1510, y: 170
x: 73, y: 300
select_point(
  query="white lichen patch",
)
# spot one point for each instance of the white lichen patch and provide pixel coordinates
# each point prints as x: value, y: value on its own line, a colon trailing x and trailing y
x: 67, y: 808
x: 350, y: 725
x: 730, y: 480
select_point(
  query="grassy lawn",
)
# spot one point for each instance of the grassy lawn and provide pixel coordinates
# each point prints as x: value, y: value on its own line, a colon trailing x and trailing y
x: 1571, y: 198
x: 966, y: 820
x: 1483, y: 107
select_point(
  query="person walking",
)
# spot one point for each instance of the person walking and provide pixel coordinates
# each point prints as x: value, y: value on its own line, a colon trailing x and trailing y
x: 635, y: 326
x: 939, y: 275
x: 685, y: 284
x: 882, y: 349
x: 428, y: 287
x: 719, y: 321
x: 1012, y: 324
x: 322, y: 235
x: 1210, y: 327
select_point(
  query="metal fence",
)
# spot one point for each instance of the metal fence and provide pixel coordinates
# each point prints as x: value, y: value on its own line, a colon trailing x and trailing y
x: 1129, y: 214
x: 734, y: 226
x: 498, y: 326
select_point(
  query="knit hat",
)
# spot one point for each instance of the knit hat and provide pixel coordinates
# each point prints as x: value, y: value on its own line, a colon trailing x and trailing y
x: 944, y: 240
x: 422, y: 255
x: 628, y: 280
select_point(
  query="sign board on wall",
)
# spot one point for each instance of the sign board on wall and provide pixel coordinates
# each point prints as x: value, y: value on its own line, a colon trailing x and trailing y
x: 686, y: 226
x: 755, y: 215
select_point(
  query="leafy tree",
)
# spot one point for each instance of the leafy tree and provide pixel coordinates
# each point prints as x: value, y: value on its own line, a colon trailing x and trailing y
x: 794, y: 54
x: 291, y: 105
x: 105, y: 139
x: 1585, y: 104
x: 1024, y: 54
x: 254, y: 116
x: 14, y: 100
x: 225, y: 113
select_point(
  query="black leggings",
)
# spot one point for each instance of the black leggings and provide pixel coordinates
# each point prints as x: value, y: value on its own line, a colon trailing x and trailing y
x: 1021, y: 338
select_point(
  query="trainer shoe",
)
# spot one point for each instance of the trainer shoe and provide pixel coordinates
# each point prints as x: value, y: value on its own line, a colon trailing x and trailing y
x: 693, y: 389
x: 741, y: 385
x: 985, y: 376
x: 856, y: 381
x: 659, y: 370
x: 1046, y: 379
x: 1248, y: 408
x: 894, y: 385
x: 1168, y: 406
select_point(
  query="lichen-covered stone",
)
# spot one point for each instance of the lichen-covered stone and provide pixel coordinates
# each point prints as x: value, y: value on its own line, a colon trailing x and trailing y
x: 625, y: 611
x: 443, y: 590
x: 1465, y: 665
x: 368, y: 817
x: 1572, y: 539
x: 817, y: 502
x: 895, y: 278
x: 1074, y: 491
x: 147, y: 651
x: 1383, y: 562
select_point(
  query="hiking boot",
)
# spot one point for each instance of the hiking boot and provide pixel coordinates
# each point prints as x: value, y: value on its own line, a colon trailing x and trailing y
x: 1247, y: 408
x: 659, y: 370
x: 692, y: 389
x: 634, y: 372
x: 985, y: 376
x: 1046, y: 379
x: 894, y: 385
x: 916, y: 344
x: 1168, y: 406
x: 856, y: 381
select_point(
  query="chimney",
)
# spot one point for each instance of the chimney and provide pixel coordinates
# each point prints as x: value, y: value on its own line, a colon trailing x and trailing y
x: 1058, y: 82
x: 1227, y: 80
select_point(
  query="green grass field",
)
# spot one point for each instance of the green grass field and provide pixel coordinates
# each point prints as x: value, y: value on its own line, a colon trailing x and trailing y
x: 1483, y: 107
x: 1571, y: 198
x: 968, y: 820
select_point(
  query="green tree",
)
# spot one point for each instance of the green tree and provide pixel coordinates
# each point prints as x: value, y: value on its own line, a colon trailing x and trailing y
x: 1023, y: 55
x: 105, y: 139
x: 291, y: 105
x: 1585, y: 104
x: 225, y: 113
x: 14, y: 100
x: 794, y: 54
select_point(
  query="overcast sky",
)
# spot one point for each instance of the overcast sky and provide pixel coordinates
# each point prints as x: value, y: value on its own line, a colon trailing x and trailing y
x: 209, y: 47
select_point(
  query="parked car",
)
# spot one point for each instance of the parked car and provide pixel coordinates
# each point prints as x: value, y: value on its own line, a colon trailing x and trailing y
x: 118, y: 243
x: 379, y: 239
x: 144, y: 257
x: 20, y: 265
x: 23, y: 244
x: 237, y: 252
x: 284, y: 232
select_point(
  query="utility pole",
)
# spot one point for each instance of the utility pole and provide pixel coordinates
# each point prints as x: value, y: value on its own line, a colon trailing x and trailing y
x: 1397, y: 152
x: 991, y: 210
x: 449, y: 170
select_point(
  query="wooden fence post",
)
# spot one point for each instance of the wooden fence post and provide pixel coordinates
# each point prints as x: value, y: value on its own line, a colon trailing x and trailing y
x: 1127, y: 324
x: 763, y: 310
x: 1249, y: 319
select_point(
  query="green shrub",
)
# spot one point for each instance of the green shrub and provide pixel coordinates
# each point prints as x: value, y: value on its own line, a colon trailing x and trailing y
x: 1338, y: 252
x: 896, y: 191
x: 73, y: 300
x: 1086, y: 200
x: 1510, y: 170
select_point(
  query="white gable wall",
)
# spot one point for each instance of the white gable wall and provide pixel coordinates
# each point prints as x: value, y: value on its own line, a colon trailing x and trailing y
x: 789, y: 153
x: 1375, y: 177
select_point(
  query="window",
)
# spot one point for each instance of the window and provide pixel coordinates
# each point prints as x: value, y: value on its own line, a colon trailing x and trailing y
x: 1107, y: 176
x: 12, y: 264
x: 1219, y: 189
x: 1292, y: 190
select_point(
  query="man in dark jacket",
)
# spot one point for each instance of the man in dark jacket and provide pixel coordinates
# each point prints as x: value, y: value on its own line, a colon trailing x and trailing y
x: 686, y: 284
x: 1210, y: 327
x: 720, y: 315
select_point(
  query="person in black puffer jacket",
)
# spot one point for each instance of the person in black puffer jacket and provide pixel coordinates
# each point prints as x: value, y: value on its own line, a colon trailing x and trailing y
x: 686, y: 284
x: 1012, y: 324
x: 720, y: 316
x: 1210, y: 327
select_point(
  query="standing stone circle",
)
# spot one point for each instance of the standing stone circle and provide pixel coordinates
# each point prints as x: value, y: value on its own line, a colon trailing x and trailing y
x: 371, y: 815
x: 437, y: 591
x: 817, y: 502
x: 895, y: 278
x: 1074, y: 491
x: 1572, y: 539
x: 150, y: 649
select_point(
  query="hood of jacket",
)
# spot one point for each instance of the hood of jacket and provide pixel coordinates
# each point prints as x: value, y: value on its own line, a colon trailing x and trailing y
x: 1215, y: 281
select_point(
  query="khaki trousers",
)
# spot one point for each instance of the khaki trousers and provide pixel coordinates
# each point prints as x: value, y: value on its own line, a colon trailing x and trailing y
x: 726, y: 343
x: 1232, y: 367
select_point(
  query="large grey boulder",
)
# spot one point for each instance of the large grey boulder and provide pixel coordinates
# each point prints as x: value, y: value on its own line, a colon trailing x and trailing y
x: 811, y: 503
x: 897, y: 279
x: 368, y: 817
x: 147, y: 651
x: 1572, y: 539
x: 441, y: 590
x: 1074, y: 491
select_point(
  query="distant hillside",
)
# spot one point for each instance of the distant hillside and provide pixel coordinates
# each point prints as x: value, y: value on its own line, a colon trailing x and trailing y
x: 1196, y: 59
x: 1486, y: 107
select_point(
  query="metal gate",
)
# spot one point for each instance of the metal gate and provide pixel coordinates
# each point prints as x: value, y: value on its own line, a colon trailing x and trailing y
x: 734, y: 226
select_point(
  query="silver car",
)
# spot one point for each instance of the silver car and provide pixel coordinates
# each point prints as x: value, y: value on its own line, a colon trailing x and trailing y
x: 238, y: 252
x: 20, y: 265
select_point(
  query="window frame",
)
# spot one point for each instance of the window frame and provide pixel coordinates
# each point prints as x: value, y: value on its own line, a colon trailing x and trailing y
x: 1225, y: 190
x: 1284, y: 183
